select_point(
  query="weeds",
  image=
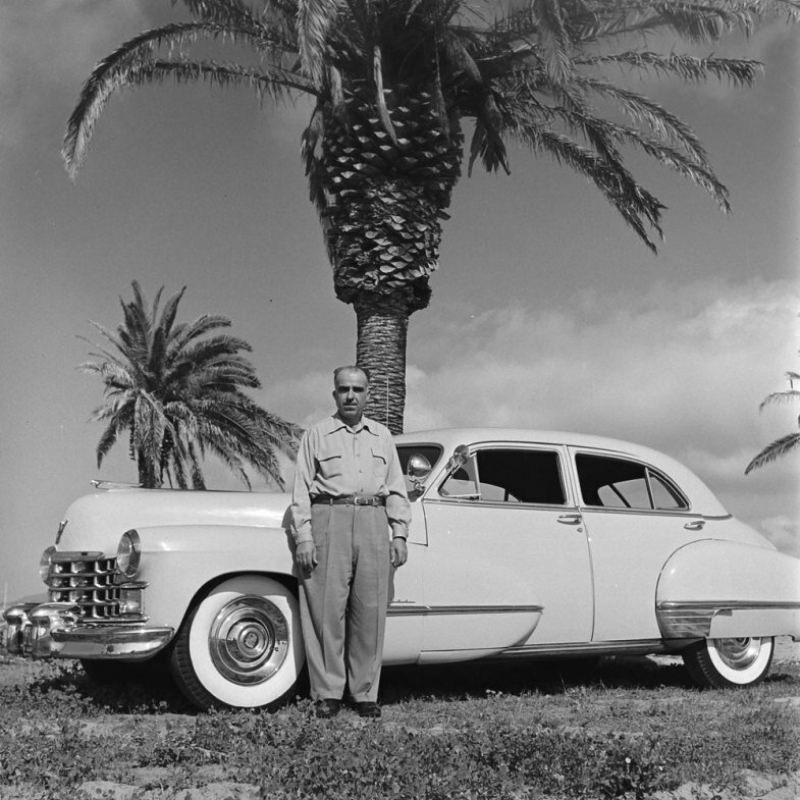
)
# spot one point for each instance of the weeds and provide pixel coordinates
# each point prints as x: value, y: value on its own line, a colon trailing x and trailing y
x: 624, y: 731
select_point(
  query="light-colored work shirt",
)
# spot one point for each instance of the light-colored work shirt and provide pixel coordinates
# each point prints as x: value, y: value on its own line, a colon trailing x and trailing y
x: 337, y: 460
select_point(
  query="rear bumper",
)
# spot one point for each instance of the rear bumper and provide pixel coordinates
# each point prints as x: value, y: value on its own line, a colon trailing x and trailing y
x: 56, y: 630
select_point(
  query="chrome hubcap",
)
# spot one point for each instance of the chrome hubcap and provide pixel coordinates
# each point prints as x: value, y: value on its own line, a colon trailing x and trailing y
x: 249, y: 640
x: 738, y: 653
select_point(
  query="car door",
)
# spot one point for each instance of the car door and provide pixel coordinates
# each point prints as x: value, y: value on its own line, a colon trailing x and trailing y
x: 507, y: 559
x: 636, y: 517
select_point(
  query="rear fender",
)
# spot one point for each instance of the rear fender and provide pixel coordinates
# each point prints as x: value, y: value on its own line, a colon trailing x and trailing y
x: 720, y: 589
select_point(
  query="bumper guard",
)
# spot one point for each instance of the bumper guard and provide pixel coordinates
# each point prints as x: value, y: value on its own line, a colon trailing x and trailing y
x: 56, y: 630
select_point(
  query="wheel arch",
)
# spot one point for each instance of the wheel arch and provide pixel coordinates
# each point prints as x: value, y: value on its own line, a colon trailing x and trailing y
x: 182, y: 563
x: 715, y: 588
x: 289, y: 581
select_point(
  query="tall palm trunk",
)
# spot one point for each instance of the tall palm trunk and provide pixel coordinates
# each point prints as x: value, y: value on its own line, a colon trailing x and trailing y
x: 147, y: 471
x: 384, y: 199
x: 381, y: 350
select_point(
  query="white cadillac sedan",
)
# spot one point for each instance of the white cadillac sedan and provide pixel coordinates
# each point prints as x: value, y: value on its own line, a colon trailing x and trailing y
x: 523, y: 544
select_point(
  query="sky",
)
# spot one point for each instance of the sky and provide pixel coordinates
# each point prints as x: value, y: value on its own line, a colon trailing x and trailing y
x: 547, y: 311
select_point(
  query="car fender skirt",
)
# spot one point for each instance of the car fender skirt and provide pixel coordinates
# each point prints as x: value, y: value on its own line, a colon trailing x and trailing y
x: 719, y: 589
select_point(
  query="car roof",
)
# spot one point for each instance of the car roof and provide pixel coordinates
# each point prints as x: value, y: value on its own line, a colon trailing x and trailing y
x: 702, y: 499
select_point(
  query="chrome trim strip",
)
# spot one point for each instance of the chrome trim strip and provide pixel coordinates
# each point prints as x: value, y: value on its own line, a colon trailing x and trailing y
x: 635, y: 646
x: 395, y: 609
x: 679, y: 619
x: 669, y: 605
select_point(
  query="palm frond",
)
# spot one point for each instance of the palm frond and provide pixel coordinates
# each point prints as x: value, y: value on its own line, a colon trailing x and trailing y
x: 228, y: 13
x: 787, y: 396
x: 692, y: 69
x: 554, y: 41
x: 314, y: 20
x: 135, y: 63
x: 646, y: 113
x: 774, y: 451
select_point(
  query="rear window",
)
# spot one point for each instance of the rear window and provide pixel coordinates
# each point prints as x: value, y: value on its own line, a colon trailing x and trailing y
x: 619, y: 483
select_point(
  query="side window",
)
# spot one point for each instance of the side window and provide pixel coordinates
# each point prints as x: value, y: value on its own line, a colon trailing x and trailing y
x: 617, y: 483
x: 665, y: 496
x: 508, y: 476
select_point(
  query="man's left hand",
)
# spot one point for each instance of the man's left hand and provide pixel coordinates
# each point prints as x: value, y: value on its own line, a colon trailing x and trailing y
x: 399, y: 552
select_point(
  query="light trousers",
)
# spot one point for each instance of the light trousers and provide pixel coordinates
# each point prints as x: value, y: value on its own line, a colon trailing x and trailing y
x: 343, y: 601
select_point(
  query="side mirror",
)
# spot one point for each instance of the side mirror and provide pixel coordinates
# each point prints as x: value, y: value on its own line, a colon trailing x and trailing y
x: 418, y: 466
x: 417, y: 469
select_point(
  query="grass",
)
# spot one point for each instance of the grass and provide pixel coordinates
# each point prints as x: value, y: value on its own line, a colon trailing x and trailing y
x: 626, y: 728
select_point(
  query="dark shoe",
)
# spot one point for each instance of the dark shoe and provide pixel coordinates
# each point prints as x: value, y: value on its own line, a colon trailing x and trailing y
x: 368, y: 709
x: 325, y: 709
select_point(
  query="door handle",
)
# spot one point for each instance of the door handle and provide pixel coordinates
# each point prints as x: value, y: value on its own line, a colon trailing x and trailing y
x: 570, y: 519
x: 695, y: 525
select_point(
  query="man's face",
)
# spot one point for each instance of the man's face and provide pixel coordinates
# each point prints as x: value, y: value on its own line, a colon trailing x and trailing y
x: 350, y: 393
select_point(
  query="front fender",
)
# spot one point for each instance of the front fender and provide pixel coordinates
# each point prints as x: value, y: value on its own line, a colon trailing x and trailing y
x: 721, y: 589
x: 178, y: 561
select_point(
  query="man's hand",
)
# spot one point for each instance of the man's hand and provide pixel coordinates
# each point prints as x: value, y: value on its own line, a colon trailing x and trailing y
x: 399, y: 552
x: 306, y: 556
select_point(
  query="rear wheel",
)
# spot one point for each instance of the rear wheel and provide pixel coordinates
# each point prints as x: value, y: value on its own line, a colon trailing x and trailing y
x: 721, y: 663
x: 240, y: 645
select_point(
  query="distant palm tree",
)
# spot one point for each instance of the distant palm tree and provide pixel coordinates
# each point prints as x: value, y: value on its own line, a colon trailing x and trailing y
x: 180, y: 396
x: 786, y: 443
x: 393, y: 80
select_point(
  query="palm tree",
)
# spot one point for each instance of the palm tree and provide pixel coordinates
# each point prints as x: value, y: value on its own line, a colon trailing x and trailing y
x: 393, y: 81
x: 786, y: 443
x: 179, y: 394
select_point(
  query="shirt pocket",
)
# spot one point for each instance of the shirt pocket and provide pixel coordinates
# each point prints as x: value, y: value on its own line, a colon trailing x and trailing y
x: 330, y: 462
x: 378, y: 464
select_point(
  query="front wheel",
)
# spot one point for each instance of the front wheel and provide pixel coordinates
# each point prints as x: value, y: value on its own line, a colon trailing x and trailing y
x: 722, y: 663
x: 240, y: 646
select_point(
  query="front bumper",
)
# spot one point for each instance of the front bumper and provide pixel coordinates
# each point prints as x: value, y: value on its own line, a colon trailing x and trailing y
x: 56, y: 630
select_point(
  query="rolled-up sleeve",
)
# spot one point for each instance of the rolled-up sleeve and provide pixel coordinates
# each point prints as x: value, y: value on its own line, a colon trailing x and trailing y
x: 398, y: 509
x: 301, y: 498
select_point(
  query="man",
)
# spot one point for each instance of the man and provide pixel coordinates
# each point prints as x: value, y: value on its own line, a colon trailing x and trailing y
x: 348, y: 491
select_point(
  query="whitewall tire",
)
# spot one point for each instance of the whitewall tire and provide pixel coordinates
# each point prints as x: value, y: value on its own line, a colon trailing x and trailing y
x: 240, y: 645
x: 722, y: 663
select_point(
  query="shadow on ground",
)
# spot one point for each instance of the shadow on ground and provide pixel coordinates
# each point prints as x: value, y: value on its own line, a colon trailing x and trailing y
x: 148, y: 688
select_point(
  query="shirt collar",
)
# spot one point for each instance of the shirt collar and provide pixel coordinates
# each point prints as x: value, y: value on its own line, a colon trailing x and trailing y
x: 337, y: 423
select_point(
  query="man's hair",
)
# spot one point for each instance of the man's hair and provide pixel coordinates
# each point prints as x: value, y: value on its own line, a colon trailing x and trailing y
x: 351, y: 368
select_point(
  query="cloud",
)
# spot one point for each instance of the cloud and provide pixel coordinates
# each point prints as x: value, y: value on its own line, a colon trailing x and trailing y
x: 47, y: 50
x: 697, y: 359
x: 784, y: 533
x: 681, y: 370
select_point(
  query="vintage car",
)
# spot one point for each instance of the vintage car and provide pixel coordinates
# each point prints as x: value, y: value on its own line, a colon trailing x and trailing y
x: 523, y: 544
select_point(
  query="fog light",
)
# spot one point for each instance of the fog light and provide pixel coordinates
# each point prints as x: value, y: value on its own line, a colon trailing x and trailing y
x: 131, y: 600
x: 45, y: 561
x: 129, y: 554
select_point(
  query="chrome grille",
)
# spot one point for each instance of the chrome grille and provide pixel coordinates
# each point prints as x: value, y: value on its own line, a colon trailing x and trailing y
x: 86, y: 580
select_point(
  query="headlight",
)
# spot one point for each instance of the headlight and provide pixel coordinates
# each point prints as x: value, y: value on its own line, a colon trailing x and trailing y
x: 129, y: 554
x: 45, y: 561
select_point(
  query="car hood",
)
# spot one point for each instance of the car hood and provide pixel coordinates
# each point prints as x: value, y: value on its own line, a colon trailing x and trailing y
x: 96, y: 521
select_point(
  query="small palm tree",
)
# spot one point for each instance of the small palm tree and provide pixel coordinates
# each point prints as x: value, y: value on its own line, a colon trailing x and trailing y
x: 179, y: 395
x: 393, y: 81
x: 786, y: 443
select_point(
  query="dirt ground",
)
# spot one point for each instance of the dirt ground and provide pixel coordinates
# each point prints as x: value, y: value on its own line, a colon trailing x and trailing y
x: 213, y: 786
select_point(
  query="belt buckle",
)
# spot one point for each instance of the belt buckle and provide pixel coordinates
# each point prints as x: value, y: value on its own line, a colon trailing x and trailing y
x: 360, y: 500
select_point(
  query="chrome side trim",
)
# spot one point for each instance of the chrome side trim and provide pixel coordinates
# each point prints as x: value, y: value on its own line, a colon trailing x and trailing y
x: 692, y: 618
x: 397, y: 609
x: 633, y: 647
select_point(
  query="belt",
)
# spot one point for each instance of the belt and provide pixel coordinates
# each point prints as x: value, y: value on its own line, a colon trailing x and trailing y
x: 349, y: 500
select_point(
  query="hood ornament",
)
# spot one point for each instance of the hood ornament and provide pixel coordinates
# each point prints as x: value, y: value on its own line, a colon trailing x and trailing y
x: 61, y: 526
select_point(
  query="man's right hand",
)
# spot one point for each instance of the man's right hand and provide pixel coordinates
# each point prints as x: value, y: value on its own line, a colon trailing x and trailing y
x: 306, y: 556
